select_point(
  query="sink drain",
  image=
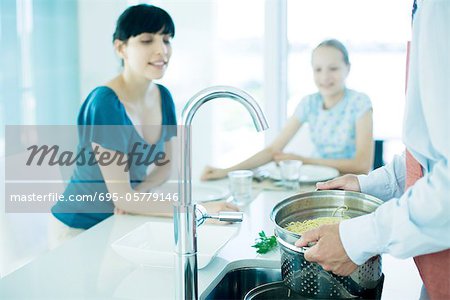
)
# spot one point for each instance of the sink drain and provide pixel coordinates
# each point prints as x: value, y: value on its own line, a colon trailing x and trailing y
x: 272, y: 290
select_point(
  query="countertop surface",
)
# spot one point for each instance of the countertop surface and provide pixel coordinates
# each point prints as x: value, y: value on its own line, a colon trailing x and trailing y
x: 86, y: 267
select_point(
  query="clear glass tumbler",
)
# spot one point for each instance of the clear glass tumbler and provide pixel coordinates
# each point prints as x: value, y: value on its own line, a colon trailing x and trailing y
x: 240, y: 183
x: 290, y: 173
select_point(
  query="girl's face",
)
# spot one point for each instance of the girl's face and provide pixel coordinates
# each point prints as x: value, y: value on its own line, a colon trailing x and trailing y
x: 330, y: 71
x: 147, y: 54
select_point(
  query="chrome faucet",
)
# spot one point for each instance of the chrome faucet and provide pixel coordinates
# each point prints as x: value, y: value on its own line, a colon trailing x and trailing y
x: 185, y: 219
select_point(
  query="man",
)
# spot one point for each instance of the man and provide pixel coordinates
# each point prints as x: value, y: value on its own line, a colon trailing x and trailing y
x: 415, y: 222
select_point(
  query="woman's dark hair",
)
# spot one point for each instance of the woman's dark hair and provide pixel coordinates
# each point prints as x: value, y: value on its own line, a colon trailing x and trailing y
x: 338, y: 46
x: 143, y: 18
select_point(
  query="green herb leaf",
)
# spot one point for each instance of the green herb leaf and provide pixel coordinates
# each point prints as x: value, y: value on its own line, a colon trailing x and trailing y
x: 264, y: 244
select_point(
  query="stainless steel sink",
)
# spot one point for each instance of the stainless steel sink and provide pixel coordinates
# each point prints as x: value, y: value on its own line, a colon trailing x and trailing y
x: 238, y: 279
x: 238, y: 282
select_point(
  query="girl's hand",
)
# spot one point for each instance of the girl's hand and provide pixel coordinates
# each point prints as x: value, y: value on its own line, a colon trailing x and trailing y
x: 347, y: 182
x: 211, y: 173
x: 286, y: 156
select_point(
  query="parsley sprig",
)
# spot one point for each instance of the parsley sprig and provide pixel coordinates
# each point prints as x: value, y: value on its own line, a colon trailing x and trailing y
x: 264, y: 244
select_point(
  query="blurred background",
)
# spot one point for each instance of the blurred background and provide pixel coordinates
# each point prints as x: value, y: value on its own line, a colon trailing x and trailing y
x: 54, y: 52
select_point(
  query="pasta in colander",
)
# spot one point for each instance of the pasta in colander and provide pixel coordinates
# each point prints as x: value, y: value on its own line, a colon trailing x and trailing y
x: 301, y: 227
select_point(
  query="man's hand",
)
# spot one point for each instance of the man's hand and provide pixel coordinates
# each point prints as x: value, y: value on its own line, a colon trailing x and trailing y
x: 347, y: 182
x: 328, y: 250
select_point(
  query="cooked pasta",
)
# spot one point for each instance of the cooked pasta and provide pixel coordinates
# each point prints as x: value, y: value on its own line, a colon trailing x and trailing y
x: 302, y: 227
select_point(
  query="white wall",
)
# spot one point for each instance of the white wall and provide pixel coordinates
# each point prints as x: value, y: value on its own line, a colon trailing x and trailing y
x: 97, y: 60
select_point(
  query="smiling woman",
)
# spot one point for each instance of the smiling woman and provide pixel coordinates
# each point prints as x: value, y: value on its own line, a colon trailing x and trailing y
x: 142, y: 28
x: 142, y: 40
x: 137, y: 111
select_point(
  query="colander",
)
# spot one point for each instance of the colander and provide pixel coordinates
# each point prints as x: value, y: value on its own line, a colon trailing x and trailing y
x: 309, y: 279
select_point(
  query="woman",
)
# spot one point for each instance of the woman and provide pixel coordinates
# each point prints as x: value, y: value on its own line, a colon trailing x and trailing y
x: 109, y: 120
x: 340, y: 120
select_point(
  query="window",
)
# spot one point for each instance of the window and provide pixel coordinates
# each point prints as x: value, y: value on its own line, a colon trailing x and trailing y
x: 224, y: 46
x: 39, y: 75
x: 375, y: 34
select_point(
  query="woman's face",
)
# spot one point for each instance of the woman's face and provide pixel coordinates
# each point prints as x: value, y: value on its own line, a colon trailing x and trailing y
x: 147, y: 54
x: 330, y: 70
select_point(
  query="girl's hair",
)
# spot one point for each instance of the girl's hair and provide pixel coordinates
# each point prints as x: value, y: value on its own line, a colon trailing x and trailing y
x: 337, y: 45
x: 143, y: 18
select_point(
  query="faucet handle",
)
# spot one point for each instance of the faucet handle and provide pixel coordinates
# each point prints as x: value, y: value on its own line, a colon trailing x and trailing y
x: 226, y: 216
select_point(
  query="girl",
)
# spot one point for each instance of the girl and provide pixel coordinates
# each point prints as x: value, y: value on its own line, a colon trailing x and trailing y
x: 340, y: 120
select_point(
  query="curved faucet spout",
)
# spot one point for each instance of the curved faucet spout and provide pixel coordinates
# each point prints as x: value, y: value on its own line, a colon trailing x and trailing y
x: 224, y: 92
x: 184, y: 211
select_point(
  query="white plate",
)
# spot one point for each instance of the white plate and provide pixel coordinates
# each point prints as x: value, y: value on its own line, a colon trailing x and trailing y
x: 205, y: 192
x: 152, y: 244
x: 314, y: 173
x: 308, y: 173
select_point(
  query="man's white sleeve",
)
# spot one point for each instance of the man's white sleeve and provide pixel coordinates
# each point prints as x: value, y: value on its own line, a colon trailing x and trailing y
x: 386, y: 182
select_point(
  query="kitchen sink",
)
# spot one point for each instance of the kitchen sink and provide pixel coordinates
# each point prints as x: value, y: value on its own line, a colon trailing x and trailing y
x: 238, y: 282
x: 240, y: 278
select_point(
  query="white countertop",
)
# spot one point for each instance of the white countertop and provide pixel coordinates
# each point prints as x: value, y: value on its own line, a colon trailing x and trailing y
x: 86, y: 267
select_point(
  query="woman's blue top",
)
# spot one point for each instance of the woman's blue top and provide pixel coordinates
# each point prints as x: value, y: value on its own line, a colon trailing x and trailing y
x: 103, y: 120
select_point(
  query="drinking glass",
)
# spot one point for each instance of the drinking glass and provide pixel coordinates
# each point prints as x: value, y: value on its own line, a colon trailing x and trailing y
x: 240, y: 183
x: 290, y: 173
